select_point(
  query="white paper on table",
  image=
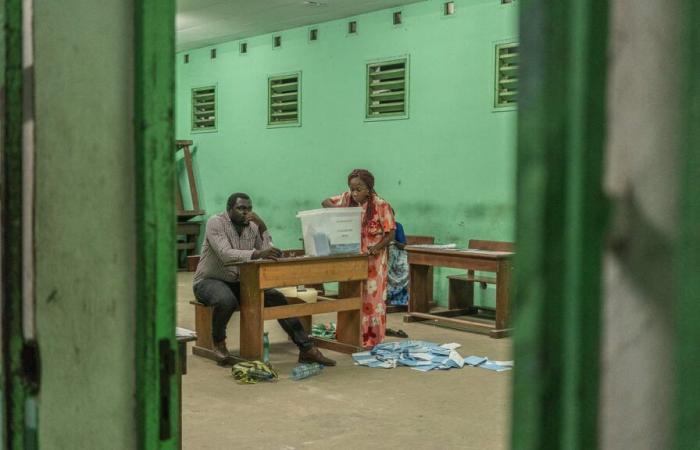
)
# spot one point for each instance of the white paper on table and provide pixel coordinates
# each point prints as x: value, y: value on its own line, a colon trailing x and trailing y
x: 451, y: 346
x: 423, y: 356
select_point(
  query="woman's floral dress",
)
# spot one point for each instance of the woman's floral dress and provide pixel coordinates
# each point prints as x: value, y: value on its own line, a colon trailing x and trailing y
x: 374, y: 294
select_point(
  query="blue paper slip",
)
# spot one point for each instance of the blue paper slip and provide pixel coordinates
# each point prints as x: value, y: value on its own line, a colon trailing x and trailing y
x: 475, y: 360
x: 493, y: 366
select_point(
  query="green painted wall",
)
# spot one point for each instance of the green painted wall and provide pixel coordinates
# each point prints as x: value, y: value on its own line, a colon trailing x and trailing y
x: 448, y: 170
x: 85, y: 233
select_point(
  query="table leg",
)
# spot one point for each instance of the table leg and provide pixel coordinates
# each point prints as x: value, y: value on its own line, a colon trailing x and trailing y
x: 349, y: 326
x: 252, y: 305
x: 418, y: 298
x: 502, y: 295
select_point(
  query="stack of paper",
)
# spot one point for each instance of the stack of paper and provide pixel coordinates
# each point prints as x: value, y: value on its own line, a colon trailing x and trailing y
x: 419, y: 355
x: 424, y: 356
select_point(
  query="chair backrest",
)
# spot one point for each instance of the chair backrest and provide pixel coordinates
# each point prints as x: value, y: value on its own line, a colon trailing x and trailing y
x: 418, y: 240
x: 494, y: 246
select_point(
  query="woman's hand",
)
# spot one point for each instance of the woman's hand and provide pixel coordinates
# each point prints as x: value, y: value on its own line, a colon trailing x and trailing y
x: 327, y: 203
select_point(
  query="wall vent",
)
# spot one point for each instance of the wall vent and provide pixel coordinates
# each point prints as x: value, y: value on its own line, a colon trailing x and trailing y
x: 276, y: 41
x: 204, y: 108
x: 352, y: 27
x: 449, y: 8
x: 506, y: 75
x: 313, y: 34
x: 284, y: 99
x: 397, y: 17
x: 387, y: 87
x: 243, y: 48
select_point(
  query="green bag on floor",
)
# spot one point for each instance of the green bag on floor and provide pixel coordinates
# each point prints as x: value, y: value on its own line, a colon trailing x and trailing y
x: 251, y: 372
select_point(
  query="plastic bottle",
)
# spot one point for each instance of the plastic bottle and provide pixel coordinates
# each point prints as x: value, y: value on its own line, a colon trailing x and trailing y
x: 306, y: 370
x: 266, y: 348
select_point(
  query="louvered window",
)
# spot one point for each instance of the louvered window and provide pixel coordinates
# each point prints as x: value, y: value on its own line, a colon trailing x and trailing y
x: 284, y: 99
x: 387, y: 87
x: 204, y: 108
x: 506, y: 75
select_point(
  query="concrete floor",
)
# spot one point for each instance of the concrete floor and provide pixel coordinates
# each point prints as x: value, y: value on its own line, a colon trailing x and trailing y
x: 346, y: 407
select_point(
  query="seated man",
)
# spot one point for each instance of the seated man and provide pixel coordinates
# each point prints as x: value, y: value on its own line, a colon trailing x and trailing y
x: 235, y: 236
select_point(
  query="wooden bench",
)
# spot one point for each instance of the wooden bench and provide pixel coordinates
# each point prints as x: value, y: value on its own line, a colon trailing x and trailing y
x: 461, y: 287
x: 204, y: 345
x: 483, y: 256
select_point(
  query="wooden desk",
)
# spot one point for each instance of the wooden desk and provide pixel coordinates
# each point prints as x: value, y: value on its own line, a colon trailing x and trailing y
x: 256, y: 276
x: 422, y: 259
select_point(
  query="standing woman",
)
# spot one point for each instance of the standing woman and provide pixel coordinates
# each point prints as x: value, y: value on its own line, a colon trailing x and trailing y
x: 377, y: 233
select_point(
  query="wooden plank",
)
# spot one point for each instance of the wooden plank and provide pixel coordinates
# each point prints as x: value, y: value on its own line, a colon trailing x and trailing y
x: 454, y: 312
x: 306, y: 309
x: 298, y: 271
x: 190, y: 177
x: 202, y: 325
x: 392, y: 309
x: 349, y: 329
x: 497, y: 246
x: 335, y: 345
x: 453, y: 259
x: 252, y: 309
x: 188, y: 227
x: 473, y: 278
x: 503, y: 295
x: 452, y: 321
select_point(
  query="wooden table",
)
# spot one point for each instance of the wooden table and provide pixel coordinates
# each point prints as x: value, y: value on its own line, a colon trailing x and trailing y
x: 422, y: 259
x: 256, y: 276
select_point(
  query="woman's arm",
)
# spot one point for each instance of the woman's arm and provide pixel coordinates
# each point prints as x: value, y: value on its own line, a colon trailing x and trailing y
x: 388, y: 237
x: 327, y: 203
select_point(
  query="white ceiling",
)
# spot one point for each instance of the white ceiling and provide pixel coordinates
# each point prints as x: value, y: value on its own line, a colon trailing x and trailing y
x: 204, y: 22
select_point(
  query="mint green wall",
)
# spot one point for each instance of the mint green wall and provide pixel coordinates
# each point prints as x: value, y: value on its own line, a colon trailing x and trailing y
x: 448, y: 170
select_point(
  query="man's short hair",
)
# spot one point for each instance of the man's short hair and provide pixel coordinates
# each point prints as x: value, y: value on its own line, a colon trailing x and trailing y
x: 232, y: 199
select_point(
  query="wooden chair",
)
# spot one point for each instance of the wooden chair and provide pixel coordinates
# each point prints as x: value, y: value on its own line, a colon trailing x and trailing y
x: 186, y: 228
x: 461, y: 287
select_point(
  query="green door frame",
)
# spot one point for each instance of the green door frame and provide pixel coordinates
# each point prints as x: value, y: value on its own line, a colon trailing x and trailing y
x: 687, y: 404
x: 561, y: 216
x: 157, y: 391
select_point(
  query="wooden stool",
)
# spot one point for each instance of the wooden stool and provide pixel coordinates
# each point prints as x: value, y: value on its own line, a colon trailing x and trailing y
x: 204, y: 345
